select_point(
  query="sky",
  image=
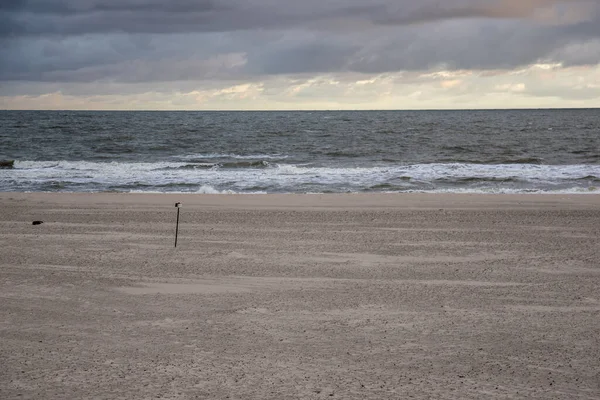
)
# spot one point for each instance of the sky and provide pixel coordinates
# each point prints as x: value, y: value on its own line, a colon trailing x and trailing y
x: 299, y: 54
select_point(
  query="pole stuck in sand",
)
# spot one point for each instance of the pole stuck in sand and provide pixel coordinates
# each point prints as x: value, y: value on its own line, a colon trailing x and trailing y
x: 178, y: 205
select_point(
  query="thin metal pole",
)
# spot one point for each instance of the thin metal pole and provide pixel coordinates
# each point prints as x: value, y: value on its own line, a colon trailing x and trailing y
x: 177, y: 227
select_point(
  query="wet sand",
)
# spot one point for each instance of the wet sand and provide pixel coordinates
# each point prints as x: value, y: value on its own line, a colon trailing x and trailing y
x: 299, y: 296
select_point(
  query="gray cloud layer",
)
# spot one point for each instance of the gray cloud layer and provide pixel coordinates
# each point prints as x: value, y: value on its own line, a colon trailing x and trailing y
x: 38, y: 17
x: 151, y: 40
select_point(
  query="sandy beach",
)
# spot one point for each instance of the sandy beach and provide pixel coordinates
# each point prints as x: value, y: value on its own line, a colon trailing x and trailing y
x: 346, y: 296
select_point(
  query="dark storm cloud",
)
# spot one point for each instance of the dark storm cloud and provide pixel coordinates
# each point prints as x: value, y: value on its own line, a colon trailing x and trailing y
x: 66, y: 7
x: 26, y: 18
x: 31, y: 17
x: 151, y: 40
x: 8, y: 5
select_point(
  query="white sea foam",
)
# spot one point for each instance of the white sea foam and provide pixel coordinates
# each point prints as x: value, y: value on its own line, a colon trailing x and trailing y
x: 492, y: 190
x: 207, y: 189
x: 209, y: 156
x: 172, y: 176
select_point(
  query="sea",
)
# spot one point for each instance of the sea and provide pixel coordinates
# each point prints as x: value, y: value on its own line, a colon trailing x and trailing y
x: 487, y: 151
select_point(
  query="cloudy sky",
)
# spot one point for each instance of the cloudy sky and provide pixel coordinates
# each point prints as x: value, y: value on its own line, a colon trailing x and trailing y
x: 299, y: 54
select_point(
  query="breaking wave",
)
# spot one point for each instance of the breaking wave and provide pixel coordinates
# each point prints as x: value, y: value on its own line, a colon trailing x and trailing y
x: 247, y: 176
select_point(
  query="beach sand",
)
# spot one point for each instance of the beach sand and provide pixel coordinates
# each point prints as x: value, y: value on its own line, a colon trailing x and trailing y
x: 352, y: 296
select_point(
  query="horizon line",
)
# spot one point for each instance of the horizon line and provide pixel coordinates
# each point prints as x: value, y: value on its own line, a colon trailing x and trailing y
x: 303, y: 110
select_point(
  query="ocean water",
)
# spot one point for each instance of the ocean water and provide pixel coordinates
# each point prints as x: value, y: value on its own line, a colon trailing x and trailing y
x: 508, y: 151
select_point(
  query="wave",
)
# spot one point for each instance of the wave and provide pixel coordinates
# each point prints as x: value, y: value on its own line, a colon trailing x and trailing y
x: 233, y: 156
x: 244, y: 176
x: 500, y: 190
x: 230, y: 165
x: 207, y: 189
x: 495, y: 161
x: 204, y: 189
x: 591, y: 178
x: 525, y: 160
x: 245, y: 164
x: 473, y: 179
x: 192, y: 166
x: 434, y: 170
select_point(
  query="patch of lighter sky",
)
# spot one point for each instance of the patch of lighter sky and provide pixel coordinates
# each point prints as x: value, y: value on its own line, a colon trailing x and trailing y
x: 536, y: 86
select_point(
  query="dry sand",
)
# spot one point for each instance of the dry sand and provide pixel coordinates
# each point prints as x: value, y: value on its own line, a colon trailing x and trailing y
x: 299, y: 297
